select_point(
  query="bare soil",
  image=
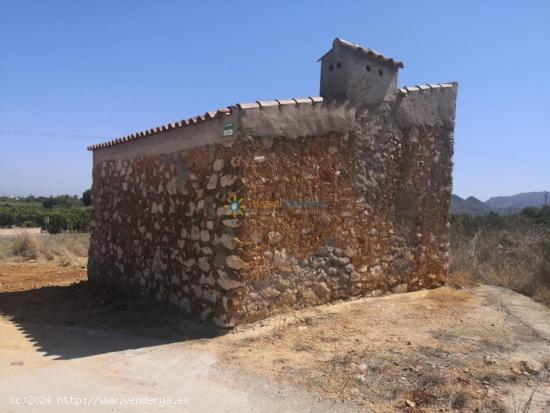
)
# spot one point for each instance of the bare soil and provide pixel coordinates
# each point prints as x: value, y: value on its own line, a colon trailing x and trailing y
x: 428, y: 351
x: 21, y: 277
x: 485, y: 349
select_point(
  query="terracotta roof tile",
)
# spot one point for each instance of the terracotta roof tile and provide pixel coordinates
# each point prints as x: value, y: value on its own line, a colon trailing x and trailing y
x: 254, y: 105
x: 267, y: 103
x: 302, y: 100
x: 283, y: 102
x: 427, y: 87
x: 207, y: 116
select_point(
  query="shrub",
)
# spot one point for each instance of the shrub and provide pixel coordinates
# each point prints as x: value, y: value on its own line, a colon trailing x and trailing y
x: 62, y: 249
x: 25, y: 246
x: 64, y: 260
x: 508, y: 251
x: 57, y: 222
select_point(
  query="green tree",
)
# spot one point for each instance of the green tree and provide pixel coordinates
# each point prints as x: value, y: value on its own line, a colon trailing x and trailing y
x: 87, y: 197
x: 58, y: 222
x: 48, y: 203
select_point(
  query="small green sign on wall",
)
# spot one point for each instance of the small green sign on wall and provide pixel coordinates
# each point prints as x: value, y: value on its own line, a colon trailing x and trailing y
x: 227, y: 129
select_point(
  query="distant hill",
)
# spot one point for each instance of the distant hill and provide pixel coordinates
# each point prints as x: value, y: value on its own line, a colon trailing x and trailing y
x: 470, y: 205
x: 524, y: 200
x: 501, y: 204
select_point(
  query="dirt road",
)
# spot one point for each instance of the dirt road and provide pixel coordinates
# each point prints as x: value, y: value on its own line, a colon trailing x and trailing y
x: 151, y: 376
x: 484, y: 350
x: 65, y: 347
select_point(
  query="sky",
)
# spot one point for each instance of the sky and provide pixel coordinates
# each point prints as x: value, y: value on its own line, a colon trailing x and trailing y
x: 75, y: 73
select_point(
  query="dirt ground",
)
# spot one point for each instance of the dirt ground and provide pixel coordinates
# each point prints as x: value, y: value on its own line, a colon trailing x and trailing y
x: 21, y: 277
x: 481, y: 350
x: 439, y: 350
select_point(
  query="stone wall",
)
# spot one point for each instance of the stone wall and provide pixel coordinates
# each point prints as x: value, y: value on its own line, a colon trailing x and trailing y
x: 339, y: 202
x: 159, y: 225
x: 380, y: 224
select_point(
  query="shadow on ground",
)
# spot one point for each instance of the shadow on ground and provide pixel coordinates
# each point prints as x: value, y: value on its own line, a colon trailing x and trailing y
x: 73, y: 321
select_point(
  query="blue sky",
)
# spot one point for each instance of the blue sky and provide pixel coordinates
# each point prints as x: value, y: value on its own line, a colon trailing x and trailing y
x: 73, y: 73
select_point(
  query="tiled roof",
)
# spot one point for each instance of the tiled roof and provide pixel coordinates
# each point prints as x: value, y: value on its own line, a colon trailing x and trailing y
x: 278, y: 102
x: 366, y: 51
x: 421, y: 88
x: 206, y: 117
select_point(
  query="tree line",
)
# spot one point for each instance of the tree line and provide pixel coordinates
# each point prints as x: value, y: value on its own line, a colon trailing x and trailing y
x: 53, y: 214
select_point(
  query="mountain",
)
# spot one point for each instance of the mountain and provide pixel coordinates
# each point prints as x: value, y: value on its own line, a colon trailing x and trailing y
x: 470, y: 205
x: 523, y: 200
x: 504, y: 205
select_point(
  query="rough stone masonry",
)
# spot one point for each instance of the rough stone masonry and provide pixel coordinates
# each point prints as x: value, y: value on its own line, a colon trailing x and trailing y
x: 262, y: 207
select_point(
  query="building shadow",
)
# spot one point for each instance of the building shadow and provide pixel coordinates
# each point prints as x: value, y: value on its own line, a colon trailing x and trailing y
x: 67, y: 322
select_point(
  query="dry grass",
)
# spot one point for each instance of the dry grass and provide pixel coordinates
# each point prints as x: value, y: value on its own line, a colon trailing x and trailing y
x: 65, y: 245
x: 449, y: 295
x: 61, y: 249
x: 25, y: 246
x: 514, y: 255
x: 461, y: 279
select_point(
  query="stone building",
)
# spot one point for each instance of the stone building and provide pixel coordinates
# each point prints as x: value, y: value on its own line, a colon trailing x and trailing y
x: 260, y: 207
